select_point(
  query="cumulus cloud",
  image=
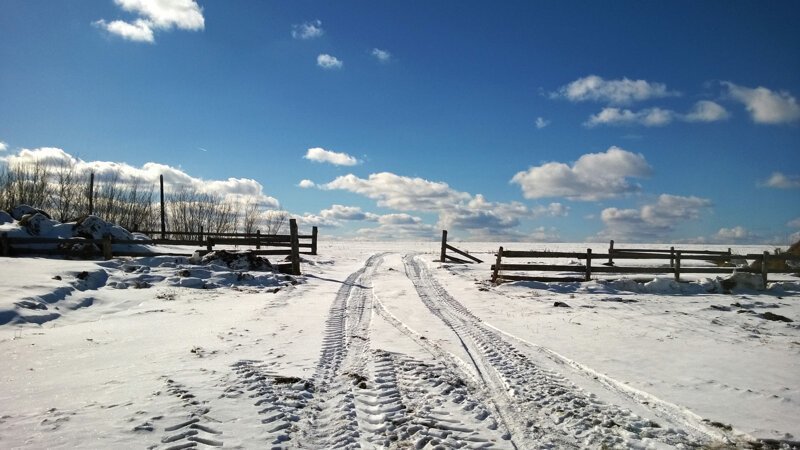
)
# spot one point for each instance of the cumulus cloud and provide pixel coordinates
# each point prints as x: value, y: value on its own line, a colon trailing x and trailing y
x: 764, y: 105
x: 541, y: 122
x: 154, y: 15
x: 3, y: 146
x: 306, y: 184
x: 795, y: 223
x: 592, y: 177
x: 398, y: 227
x: 175, y: 179
x: 340, y: 212
x: 706, y: 111
x: 737, y: 234
x: 652, y: 222
x: 308, y: 30
x: 329, y: 62
x: 780, y: 180
x: 381, y: 55
x: 650, y: 117
x: 624, y: 91
x: 456, y: 210
x: 320, y: 155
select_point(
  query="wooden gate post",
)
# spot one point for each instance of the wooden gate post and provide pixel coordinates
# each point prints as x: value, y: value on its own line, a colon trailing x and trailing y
x: 91, y: 193
x: 258, y: 239
x: 672, y: 256
x: 314, y: 234
x: 163, y: 217
x: 444, y: 245
x: 764, y: 270
x: 611, y: 253
x: 497, y: 265
x: 677, y: 265
x: 295, y: 256
x: 209, y: 244
x: 589, y: 264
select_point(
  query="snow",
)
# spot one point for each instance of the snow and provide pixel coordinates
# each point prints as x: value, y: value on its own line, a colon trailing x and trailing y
x: 379, y: 345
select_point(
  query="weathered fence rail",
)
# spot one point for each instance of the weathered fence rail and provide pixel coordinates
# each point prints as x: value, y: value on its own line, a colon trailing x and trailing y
x: 676, y: 266
x: 288, y: 245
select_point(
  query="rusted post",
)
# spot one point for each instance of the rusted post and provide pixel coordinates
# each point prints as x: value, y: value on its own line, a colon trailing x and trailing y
x: 611, y: 253
x: 588, y: 264
x: 444, y: 246
x: 677, y: 266
x: 163, y: 215
x: 107, y: 253
x: 258, y: 239
x: 295, y: 256
x: 764, y: 269
x: 497, y: 265
x: 91, y: 193
x: 314, y: 234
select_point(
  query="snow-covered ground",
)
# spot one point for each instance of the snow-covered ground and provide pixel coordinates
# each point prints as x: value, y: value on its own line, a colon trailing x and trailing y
x: 378, y: 345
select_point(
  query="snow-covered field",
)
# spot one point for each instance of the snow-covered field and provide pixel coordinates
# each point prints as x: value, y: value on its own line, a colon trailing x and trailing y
x: 378, y: 345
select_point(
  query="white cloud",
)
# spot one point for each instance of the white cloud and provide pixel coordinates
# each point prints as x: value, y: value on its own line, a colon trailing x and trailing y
x: 456, y: 210
x: 794, y: 223
x: 794, y: 237
x: 340, y: 212
x: 318, y: 154
x: 308, y: 30
x: 398, y: 227
x: 779, y: 180
x: 541, y: 122
x: 650, y: 117
x: 702, y: 111
x: 736, y: 234
x: 329, y: 62
x: 155, y: 15
x: 306, y: 184
x: 622, y: 91
x: 138, y: 31
x: 235, y: 189
x: 653, y: 222
x: 706, y: 111
x: 594, y: 176
x: 3, y: 146
x: 382, y: 55
x: 764, y: 105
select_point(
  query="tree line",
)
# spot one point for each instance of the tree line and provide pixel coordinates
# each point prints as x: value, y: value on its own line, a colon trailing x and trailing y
x: 65, y: 192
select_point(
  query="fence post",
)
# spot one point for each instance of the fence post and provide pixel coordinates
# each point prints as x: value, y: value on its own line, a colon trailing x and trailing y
x: 588, y: 264
x: 677, y: 264
x: 295, y: 256
x: 444, y: 245
x: 163, y: 218
x: 611, y: 253
x: 91, y: 193
x: 107, y: 253
x: 764, y: 270
x: 314, y: 233
x: 258, y: 239
x: 497, y: 265
x: 209, y: 244
x: 672, y: 256
x: 201, y: 233
x: 4, y: 245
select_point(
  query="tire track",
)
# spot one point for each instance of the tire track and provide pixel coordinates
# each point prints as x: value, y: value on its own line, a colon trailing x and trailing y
x: 194, y: 429
x: 539, y: 406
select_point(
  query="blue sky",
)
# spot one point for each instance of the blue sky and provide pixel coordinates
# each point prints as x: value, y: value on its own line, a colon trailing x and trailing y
x: 541, y: 121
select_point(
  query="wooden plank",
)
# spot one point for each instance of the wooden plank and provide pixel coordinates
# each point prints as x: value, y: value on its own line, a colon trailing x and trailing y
x: 456, y: 260
x: 542, y: 279
x: 463, y: 253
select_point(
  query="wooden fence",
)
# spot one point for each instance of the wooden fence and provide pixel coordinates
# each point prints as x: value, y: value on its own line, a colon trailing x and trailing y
x: 288, y: 245
x: 444, y: 257
x: 676, y: 267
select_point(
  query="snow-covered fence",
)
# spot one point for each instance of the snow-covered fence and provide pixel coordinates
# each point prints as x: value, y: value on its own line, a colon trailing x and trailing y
x: 721, y: 263
x: 109, y: 247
